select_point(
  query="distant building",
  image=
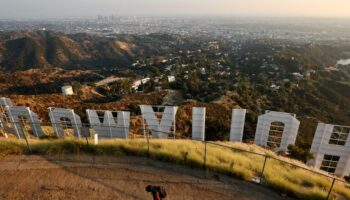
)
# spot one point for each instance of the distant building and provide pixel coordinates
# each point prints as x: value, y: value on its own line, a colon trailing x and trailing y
x: 298, y: 75
x: 136, y: 84
x: 171, y: 79
x: 202, y: 71
x: 275, y: 87
x: 158, y: 88
x: 67, y: 90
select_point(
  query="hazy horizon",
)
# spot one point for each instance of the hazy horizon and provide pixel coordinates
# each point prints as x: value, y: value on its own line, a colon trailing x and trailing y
x: 42, y: 9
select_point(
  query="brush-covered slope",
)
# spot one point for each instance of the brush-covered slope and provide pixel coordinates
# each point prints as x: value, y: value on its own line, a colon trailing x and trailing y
x: 44, y: 49
x: 282, y: 177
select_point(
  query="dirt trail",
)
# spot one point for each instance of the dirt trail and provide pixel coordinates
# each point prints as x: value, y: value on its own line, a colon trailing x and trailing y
x: 87, y: 177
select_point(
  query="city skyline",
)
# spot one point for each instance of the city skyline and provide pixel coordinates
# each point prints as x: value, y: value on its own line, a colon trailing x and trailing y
x: 40, y: 9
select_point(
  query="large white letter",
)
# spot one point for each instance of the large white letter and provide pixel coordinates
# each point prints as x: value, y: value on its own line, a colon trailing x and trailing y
x: 109, y: 129
x: 276, y: 130
x: 15, y: 112
x: 56, y: 116
x: 331, y: 149
x: 198, y: 124
x: 237, y: 125
x: 159, y: 128
x: 4, y: 118
x: 5, y: 101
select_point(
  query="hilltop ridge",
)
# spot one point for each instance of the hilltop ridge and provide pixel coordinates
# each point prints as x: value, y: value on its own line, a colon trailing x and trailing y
x: 46, y: 49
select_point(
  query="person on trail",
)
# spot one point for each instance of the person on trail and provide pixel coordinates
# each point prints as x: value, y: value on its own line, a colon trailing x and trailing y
x: 158, y: 192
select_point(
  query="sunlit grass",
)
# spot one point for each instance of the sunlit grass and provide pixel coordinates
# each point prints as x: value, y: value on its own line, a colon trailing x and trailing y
x: 278, y: 175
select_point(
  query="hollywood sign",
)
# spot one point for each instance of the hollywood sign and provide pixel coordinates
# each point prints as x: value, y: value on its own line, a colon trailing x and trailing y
x: 330, y: 147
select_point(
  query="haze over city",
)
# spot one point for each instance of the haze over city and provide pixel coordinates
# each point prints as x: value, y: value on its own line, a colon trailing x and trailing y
x: 38, y: 9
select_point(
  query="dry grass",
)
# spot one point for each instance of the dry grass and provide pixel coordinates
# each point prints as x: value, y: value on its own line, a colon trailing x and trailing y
x: 282, y: 177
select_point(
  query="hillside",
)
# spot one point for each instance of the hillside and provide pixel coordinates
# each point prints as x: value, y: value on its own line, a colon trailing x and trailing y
x: 244, y: 161
x: 44, y: 49
x: 217, y: 73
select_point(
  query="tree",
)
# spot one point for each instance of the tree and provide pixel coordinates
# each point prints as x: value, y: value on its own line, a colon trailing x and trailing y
x: 120, y: 88
x: 298, y: 153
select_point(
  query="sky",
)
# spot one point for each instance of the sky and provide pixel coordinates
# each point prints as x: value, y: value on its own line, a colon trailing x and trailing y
x: 41, y: 9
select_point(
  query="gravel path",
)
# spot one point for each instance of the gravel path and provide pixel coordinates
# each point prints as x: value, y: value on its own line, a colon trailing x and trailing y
x: 88, y: 177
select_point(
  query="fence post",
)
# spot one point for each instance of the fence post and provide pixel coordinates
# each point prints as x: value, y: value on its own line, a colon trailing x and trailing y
x: 28, y: 147
x: 87, y: 141
x: 87, y: 135
x: 263, y: 169
x: 330, y: 189
x: 25, y: 138
x: 205, y: 154
x: 147, y: 138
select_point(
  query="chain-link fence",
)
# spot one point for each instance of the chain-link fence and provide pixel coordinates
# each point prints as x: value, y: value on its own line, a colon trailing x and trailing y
x: 285, y: 175
x: 258, y: 166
